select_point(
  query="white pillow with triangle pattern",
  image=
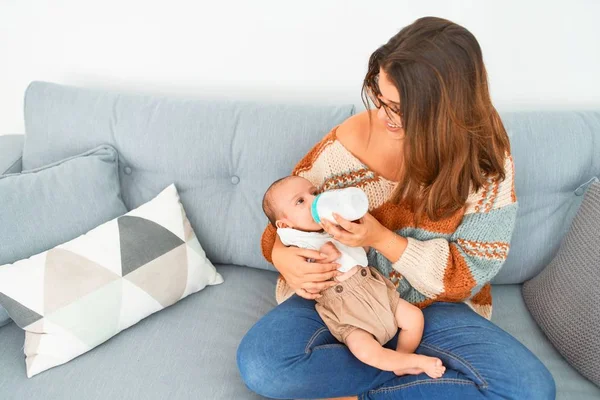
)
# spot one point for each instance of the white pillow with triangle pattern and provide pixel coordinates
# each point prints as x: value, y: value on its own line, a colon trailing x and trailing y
x: 79, y: 294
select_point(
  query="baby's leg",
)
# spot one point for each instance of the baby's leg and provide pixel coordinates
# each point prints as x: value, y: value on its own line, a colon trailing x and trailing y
x: 410, y: 320
x: 368, y: 350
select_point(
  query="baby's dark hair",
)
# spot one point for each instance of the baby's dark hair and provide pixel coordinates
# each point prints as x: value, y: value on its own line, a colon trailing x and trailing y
x: 267, y: 203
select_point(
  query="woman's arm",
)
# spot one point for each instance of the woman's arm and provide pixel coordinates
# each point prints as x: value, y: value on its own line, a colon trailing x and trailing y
x: 390, y: 245
x: 306, y: 279
x: 441, y: 269
x: 457, y: 267
x: 447, y: 267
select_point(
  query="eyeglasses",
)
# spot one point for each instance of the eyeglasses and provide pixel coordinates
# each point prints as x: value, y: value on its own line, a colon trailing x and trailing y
x: 374, y: 94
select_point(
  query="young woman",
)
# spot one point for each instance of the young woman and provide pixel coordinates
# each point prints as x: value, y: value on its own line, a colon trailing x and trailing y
x: 434, y: 159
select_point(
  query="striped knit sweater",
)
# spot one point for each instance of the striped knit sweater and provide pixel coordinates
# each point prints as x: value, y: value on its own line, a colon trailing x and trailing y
x: 452, y: 259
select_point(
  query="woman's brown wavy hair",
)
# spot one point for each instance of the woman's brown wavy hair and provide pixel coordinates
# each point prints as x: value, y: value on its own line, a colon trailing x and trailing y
x: 455, y: 139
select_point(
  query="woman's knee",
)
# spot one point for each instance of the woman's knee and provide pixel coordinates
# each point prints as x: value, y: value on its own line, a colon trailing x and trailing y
x: 257, y: 357
x: 254, y: 365
x: 535, y: 381
x: 275, y: 344
x: 493, y: 359
x: 526, y: 378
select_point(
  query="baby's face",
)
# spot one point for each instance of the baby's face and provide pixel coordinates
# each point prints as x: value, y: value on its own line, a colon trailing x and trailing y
x: 292, y: 200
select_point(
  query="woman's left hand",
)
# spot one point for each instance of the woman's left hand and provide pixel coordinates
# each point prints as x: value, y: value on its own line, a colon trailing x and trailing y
x: 366, y: 232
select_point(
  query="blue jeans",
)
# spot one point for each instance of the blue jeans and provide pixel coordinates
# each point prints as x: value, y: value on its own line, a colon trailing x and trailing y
x: 290, y: 354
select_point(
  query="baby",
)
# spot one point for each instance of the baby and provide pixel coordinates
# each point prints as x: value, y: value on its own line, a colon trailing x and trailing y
x: 363, y: 310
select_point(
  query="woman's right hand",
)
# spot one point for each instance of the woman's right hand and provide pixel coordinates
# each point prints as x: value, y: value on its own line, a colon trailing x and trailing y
x: 307, y: 278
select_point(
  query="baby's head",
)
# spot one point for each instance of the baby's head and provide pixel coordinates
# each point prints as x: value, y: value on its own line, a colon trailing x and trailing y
x: 287, y: 204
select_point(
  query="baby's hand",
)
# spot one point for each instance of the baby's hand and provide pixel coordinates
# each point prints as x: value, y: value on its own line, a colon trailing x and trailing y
x: 330, y: 251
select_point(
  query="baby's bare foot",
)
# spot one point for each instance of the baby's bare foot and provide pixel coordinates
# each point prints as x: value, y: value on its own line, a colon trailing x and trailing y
x: 408, y: 371
x: 432, y: 366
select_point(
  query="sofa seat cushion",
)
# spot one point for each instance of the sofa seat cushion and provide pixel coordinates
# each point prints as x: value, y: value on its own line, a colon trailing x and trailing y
x: 511, y: 315
x: 186, y: 351
x: 149, y: 361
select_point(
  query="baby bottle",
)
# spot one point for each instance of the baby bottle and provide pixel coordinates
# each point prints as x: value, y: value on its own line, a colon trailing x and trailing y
x: 349, y: 203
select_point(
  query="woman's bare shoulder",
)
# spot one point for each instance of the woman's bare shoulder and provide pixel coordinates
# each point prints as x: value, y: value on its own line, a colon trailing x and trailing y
x: 354, y: 132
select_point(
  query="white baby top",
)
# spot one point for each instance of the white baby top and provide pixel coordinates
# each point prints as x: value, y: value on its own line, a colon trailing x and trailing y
x: 351, y: 256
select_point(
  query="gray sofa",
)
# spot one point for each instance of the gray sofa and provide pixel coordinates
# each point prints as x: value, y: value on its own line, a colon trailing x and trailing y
x: 222, y: 156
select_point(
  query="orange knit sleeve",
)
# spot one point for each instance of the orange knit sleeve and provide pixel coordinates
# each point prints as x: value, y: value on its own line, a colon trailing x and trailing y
x: 458, y: 266
x: 267, y: 241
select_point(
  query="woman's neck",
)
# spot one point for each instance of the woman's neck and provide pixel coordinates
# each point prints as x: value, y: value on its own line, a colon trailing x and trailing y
x: 384, y: 154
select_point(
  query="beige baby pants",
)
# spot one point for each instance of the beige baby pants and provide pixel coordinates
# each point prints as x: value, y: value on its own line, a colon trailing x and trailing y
x: 367, y: 300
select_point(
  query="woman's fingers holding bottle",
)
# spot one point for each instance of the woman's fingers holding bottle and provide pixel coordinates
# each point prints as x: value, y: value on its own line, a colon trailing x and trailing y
x: 353, y: 234
x: 344, y: 223
x: 340, y: 234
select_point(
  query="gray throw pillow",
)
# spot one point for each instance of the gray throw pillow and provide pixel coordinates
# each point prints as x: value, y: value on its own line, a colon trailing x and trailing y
x: 564, y: 298
x: 47, y: 206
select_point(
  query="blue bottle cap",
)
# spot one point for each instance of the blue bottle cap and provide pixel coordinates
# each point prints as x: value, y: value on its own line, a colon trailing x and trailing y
x: 313, y: 210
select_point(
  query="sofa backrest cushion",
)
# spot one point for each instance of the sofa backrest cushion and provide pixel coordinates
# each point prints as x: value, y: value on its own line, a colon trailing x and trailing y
x: 222, y: 155
x: 556, y: 155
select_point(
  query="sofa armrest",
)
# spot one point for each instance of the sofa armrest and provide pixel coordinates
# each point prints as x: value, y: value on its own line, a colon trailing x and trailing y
x: 11, y: 151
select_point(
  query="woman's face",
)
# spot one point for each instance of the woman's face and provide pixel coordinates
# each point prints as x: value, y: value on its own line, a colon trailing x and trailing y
x: 390, y: 99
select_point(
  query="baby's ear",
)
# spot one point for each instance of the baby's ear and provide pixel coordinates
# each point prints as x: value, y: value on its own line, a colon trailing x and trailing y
x: 281, y: 224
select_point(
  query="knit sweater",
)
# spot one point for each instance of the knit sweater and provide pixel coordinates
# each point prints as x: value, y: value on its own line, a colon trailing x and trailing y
x: 452, y: 259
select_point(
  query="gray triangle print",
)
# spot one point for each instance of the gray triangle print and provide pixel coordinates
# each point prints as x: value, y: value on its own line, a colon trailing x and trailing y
x: 143, y: 241
x: 22, y: 315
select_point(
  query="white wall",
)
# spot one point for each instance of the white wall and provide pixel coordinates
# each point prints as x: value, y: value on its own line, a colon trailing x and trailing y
x: 539, y: 54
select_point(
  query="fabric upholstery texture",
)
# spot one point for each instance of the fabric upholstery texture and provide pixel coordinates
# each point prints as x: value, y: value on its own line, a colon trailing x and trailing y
x: 564, y: 299
x: 42, y: 208
x: 510, y: 314
x: 222, y: 155
x: 556, y: 154
x: 186, y: 351
x: 11, y: 150
x: 147, y: 360
x: 77, y: 295
x: 4, y: 317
